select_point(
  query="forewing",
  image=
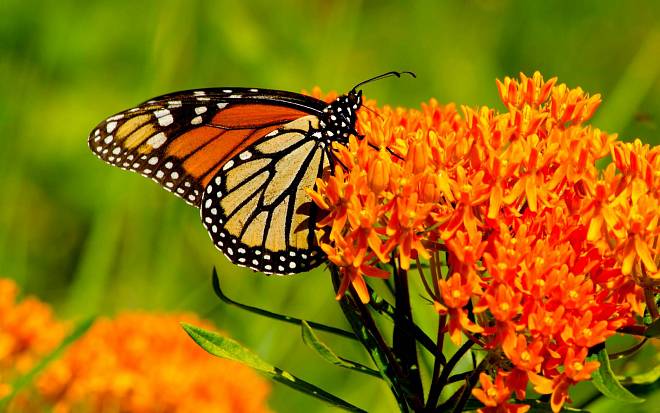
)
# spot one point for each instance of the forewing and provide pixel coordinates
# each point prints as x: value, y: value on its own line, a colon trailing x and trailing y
x: 181, y: 140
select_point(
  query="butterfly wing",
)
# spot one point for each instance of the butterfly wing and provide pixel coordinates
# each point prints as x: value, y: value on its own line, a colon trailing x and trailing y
x: 181, y: 140
x: 256, y: 208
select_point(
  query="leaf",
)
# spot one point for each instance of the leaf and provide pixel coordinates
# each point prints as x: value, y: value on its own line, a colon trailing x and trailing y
x: 18, y: 384
x: 227, y: 348
x: 642, y: 378
x: 607, y: 383
x: 323, y: 350
x: 280, y: 317
x: 653, y: 330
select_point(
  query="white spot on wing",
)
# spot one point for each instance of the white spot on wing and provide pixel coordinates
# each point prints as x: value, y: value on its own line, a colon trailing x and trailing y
x: 110, y: 126
x: 157, y: 140
x: 166, y: 120
x: 161, y: 112
x: 200, y: 109
x: 228, y: 165
x: 196, y: 120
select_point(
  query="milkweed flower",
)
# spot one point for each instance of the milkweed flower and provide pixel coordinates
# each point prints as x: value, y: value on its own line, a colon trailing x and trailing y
x: 28, y: 331
x: 549, y: 253
x: 135, y: 362
x: 140, y: 362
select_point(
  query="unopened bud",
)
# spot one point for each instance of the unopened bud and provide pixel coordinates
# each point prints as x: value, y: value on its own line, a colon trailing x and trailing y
x: 378, y: 175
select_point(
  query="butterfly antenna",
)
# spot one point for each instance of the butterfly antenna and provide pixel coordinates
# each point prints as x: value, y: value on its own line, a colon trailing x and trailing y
x: 372, y: 111
x: 383, y: 76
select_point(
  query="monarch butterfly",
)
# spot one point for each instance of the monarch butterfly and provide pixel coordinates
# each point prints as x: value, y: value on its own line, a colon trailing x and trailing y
x: 244, y: 157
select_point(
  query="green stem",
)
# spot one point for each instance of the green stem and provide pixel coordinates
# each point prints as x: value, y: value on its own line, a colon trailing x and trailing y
x: 469, y: 385
x: 381, y: 306
x: 439, y: 384
x: 364, y: 326
x: 435, y: 390
x: 404, y: 344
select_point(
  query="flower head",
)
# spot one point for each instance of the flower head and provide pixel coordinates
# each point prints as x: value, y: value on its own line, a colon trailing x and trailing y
x: 136, y: 362
x: 141, y: 362
x: 530, y: 245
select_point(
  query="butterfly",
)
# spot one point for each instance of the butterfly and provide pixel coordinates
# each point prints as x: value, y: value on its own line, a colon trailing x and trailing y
x: 245, y: 157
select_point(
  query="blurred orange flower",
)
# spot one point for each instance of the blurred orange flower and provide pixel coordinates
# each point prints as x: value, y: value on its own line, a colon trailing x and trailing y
x: 28, y: 331
x: 136, y: 362
x: 140, y: 362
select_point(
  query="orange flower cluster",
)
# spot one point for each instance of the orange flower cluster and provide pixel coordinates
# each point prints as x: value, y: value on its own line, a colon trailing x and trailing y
x: 28, y: 331
x: 551, y: 254
x: 136, y: 362
x: 140, y: 362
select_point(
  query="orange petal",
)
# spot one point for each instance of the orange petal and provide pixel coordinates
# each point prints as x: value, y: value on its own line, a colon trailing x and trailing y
x: 642, y: 249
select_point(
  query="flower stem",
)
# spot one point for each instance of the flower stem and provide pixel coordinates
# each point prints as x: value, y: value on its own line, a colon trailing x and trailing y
x: 404, y: 343
x: 440, y: 382
x: 364, y: 326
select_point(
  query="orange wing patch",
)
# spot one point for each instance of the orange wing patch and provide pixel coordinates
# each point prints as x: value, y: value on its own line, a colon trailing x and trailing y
x: 191, y: 141
x: 251, y: 115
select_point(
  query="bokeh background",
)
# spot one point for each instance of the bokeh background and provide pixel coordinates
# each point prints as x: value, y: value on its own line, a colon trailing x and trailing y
x: 91, y: 239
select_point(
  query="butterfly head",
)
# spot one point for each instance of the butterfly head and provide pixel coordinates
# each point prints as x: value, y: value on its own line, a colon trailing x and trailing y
x: 339, y: 117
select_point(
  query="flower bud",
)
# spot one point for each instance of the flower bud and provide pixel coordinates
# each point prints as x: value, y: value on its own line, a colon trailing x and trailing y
x: 417, y: 156
x: 378, y: 175
x: 429, y: 188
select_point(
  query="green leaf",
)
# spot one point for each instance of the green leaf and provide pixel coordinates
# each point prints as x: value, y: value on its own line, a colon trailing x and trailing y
x: 323, y: 350
x: 642, y: 378
x: 607, y: 383
x: 280, y: 317
x: 21, y: 382
x: 227, y: 348
x: 653, y: 330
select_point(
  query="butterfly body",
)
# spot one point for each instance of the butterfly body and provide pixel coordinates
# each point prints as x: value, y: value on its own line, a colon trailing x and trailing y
x: 245, y: 157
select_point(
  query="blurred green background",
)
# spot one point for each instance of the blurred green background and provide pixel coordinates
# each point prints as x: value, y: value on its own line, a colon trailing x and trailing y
x: 89, y: 238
